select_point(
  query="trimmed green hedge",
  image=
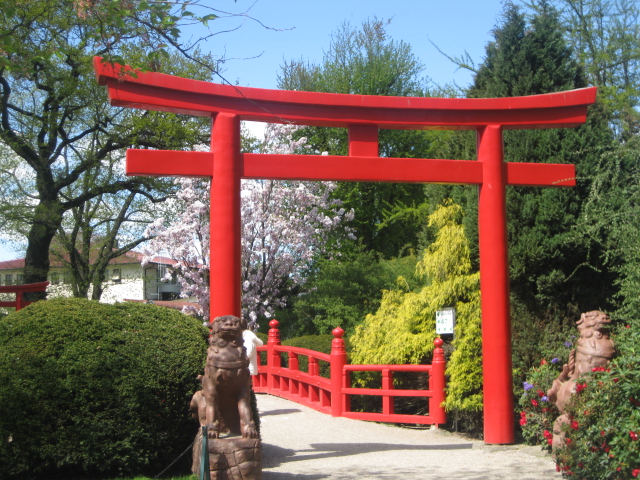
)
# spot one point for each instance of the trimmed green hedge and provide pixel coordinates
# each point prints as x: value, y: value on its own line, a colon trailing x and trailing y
x: 90, y: 389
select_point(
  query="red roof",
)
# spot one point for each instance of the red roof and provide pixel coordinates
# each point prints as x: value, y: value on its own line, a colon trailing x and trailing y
x: 12, y: 264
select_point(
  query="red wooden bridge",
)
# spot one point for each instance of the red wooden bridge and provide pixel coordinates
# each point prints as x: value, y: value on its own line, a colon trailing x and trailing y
x: 332, y: 395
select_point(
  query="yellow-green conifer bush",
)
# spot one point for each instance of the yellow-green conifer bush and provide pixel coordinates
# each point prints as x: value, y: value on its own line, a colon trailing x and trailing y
x: 403, y: 328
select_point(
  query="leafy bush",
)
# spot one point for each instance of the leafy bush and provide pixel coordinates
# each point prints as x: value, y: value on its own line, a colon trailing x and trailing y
x: 318, y: 343
x: 602, y: 439
x: 95, y: 389
x: 536, y: 413
x: 342, y: 291
x: 536, y: 338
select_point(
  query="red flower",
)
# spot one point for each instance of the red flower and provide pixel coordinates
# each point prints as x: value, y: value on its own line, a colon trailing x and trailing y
x: 543, y: 362
x: 602, y: 433
x: 547, y: 434
x: 580, y: 387
x: 600, y: 369
x: 534, y: 402
x: 633, y: 435
x: 523, y: 419
x: 540, y: 393
x: 635, y: 472
x: 567, y: 441
x: 574, y: 424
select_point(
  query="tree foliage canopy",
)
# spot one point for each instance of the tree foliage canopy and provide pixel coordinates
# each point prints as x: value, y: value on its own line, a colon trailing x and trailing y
x: 552, y: 267
x: 55, y: 118
x: 367, y: 61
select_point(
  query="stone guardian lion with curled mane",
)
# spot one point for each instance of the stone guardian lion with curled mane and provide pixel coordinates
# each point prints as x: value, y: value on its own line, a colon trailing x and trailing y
x: 594, y: 348
x: 224, y: 403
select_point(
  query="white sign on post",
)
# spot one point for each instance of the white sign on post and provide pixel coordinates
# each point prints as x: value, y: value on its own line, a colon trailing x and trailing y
x: 445, y: 321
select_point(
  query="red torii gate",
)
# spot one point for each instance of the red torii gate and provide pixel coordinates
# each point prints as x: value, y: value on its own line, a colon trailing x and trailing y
x: 363, y: 116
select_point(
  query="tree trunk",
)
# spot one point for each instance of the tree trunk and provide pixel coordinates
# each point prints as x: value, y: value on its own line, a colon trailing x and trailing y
x: 47, y: 219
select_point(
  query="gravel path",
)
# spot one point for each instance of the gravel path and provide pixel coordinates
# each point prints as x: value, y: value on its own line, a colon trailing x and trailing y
x: 300, y: 443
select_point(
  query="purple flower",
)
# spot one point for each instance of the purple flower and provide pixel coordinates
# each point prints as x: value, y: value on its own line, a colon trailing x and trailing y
x: 544, y: 398
x: 568, y: 344
x: 527, y: 386
x: 555, y: 360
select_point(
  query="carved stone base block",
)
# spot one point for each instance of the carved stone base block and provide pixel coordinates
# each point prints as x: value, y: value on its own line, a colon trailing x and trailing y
x: 233, y: 458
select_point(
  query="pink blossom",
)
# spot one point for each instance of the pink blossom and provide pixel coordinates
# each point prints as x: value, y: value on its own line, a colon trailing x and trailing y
x: 285, y: 227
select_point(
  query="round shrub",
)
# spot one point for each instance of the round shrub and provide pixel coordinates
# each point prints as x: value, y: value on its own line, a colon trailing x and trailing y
x: 603, y: 437
x: 93, y: 390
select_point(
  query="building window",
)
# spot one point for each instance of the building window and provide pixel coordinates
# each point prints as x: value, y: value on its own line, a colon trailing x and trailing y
x: 116, y: 276
x: 20, y: 279
x: 8, y: 279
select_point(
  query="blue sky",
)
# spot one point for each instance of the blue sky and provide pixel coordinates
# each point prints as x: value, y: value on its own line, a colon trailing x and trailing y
x: 301, y: 29
x: 306, y: 27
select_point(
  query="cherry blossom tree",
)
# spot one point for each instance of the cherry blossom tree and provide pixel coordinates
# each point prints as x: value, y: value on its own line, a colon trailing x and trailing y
x: 285, y: 226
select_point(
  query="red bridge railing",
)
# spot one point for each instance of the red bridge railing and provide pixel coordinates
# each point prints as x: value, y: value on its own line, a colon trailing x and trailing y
x: 326, y: 384
x: 19, y: 291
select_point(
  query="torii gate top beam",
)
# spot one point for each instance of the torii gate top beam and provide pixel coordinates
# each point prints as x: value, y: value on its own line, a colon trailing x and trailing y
x: 180, y: 95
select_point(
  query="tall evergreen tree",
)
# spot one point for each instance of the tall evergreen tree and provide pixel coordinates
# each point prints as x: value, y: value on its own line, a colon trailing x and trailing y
x: 554, y: 272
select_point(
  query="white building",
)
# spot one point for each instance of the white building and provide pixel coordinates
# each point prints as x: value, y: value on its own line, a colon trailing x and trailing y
x: 126, y: 279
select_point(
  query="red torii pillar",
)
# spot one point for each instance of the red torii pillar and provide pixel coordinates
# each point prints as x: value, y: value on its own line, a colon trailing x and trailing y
x: 363, y: 116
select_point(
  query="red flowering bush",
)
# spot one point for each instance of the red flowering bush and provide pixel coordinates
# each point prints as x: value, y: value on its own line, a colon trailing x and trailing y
x: 536, y: 413
x: 602, y: 438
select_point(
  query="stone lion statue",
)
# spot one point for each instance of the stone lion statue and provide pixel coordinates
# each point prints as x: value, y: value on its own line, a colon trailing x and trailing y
x: 224, y: 403
x: 594, y: 348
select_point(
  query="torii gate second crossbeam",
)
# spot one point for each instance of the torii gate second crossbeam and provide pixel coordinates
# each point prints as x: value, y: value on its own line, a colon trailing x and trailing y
x: 363, y: 116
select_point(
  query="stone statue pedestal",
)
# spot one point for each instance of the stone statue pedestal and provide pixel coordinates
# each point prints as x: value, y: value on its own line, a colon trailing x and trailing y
x: 230, y: 458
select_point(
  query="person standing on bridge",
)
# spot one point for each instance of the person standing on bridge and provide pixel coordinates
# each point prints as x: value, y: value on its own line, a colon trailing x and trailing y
x: 251, y: 343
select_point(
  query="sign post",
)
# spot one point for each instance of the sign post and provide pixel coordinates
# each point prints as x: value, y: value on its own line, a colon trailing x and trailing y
x: 446, y: 321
